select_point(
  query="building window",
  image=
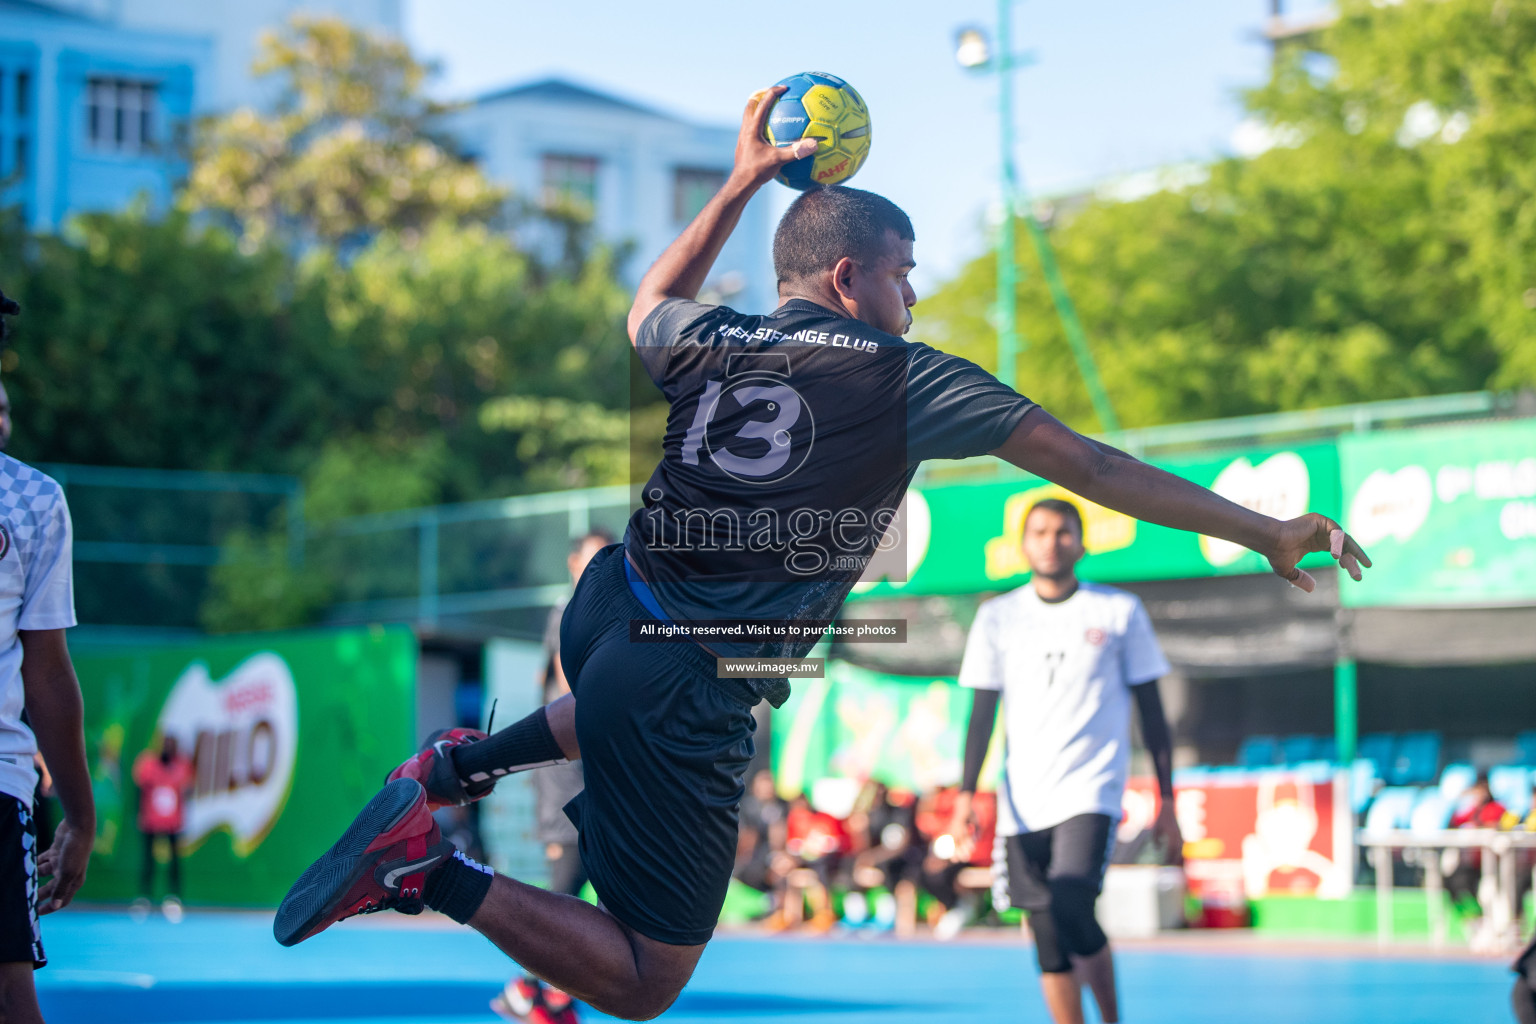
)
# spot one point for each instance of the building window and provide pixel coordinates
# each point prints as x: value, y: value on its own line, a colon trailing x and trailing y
x: 15, y: 124
x: 692, y: 187
x: 570, y: 181
x: 120, y: 115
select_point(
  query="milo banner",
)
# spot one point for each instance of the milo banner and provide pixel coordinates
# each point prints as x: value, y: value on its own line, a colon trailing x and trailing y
x: 1448, y: 514
x: 288, y: 735
x: 965, y: 538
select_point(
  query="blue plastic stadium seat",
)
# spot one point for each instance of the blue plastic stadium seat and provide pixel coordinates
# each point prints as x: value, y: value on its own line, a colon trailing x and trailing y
x: 1296, y: 749
x: 1456, y: 780
x: 1377, y: 748
x: 1314, y: 771
x: 1510, y: 785
x: 1526, y: 741
x: 1392, y: 808
x: 1362, y: 783
x: 1432, y: 812
x: 1258, y: 752
x: 1416, y: 760
x: 1327, y: 749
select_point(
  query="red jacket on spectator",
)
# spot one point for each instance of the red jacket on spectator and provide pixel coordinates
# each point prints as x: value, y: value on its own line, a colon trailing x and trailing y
x: 812, y: 834
x: 1484, y: 815
x: 935, y: 811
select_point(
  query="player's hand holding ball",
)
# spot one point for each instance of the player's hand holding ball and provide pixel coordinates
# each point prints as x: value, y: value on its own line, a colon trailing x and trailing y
x: 810, y: 129
x: 758, y: 160
x: 816, y: 105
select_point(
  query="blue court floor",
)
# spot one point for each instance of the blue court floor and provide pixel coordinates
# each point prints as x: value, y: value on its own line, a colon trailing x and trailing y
x: 226, y: 968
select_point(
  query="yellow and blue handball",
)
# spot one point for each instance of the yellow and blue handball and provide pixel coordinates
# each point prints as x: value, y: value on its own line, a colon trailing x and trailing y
x: 828, y: 109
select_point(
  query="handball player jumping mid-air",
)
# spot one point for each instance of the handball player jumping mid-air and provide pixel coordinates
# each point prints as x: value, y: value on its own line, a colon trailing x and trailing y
x: 790, y: 441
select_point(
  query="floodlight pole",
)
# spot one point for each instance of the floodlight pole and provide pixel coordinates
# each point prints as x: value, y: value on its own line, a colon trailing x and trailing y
x: 1009, y: 342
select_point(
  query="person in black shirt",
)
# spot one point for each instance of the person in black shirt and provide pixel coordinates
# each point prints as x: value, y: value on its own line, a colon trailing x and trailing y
x: 790, y: 440
x: 760, y: 856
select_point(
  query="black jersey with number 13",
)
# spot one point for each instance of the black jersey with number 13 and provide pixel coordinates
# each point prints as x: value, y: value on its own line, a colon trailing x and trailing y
x: 791, y: 439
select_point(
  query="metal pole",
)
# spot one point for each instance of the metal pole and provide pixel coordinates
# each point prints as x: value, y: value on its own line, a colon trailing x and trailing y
x: 1346, y: 712
x: 1009, y: 342
x: 1383, y: 858
x: 426, y: 572
x: 1007, y: 251
x: 1346, y: 729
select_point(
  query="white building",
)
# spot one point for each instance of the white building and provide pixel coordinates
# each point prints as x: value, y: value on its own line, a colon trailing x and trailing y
x: 640, y: 174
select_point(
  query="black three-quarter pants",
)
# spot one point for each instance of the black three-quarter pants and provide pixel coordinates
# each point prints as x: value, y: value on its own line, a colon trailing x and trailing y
x: 1055, y: 876
x: 147, y: 868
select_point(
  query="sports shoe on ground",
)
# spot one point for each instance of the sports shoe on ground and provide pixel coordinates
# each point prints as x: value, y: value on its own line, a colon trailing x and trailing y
x: 381, y: 862
x: 171, y: 908
x: 433, y: 767
x: 537, y: 1015
x: 558, y: 1002
x: 526, y: 1001
x: 951, y: 923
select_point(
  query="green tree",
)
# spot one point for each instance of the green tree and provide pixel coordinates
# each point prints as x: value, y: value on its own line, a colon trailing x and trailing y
x: 1355, y: 260
x: 350, y: 149
x: 159, y: 343
x: 467, y: 338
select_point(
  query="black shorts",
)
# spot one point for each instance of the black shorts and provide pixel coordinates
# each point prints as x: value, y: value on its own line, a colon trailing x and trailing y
x: 1023, y: 866
x: 664, y: 749
x: 21, y: 940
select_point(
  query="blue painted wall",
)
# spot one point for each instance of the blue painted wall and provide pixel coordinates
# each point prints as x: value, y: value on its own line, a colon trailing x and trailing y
x: 64, y: 173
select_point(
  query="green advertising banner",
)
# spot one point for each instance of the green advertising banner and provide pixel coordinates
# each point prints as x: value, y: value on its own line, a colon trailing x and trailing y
x: 906, y: 731
x: 966, y: 538
x: 290, y: 734
x: 1448, y: 514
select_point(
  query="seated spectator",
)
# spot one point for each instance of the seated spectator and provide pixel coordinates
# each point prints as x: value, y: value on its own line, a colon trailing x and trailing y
x: 887, y: 854
x: 1512, y: 822
x: 1525, y: 863
x: 817, y: 842
x: 955, y: 870
x: 761, y: 858
x: 1478, y: 809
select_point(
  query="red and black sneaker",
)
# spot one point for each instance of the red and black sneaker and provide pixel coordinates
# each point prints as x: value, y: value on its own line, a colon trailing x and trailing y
x: 381, y: 862
x: 433, y: 768
x: 526, y: 1001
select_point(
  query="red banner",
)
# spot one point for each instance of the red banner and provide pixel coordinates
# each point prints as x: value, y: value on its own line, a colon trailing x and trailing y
x: 1272, y: 835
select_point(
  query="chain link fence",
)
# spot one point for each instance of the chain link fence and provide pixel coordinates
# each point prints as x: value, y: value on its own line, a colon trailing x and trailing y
x: 145, y: 540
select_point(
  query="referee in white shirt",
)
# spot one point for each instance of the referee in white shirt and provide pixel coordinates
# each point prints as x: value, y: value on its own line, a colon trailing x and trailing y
x: 1065, y: 658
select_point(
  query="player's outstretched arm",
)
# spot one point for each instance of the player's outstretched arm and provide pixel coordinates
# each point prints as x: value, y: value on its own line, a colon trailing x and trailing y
x: 56, y: 711
x: 1043, y: 445
x: 683, y: 267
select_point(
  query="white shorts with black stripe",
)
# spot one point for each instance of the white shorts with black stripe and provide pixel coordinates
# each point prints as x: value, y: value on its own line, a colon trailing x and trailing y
x: 21, y: 939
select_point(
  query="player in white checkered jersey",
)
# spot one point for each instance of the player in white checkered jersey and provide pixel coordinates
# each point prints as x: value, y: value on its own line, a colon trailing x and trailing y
x: 1066, y: 659
x: 36, y: 606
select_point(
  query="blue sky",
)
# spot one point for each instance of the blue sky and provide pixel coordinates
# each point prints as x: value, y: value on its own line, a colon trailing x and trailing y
x: 1118, y: 87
